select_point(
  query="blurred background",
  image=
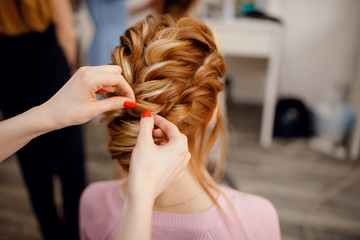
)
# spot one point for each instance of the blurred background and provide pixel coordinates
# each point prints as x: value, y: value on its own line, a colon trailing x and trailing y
x: 292, y: 96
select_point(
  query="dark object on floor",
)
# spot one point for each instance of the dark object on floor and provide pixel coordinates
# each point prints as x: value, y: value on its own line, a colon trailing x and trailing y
x: 292, y: 119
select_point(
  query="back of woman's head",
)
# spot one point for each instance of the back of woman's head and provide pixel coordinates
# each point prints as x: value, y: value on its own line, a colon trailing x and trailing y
x: 174, y: 69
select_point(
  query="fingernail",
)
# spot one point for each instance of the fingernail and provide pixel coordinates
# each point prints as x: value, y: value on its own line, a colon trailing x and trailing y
x: 130, y: 104
x: 147, y: 113
x: 100, y: 91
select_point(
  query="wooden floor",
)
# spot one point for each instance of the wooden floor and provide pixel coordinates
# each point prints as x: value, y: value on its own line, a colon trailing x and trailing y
x: 292, y: 176
x: 289, y: 174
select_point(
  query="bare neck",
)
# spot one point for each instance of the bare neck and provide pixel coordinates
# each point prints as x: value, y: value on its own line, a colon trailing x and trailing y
x: 185, y: 195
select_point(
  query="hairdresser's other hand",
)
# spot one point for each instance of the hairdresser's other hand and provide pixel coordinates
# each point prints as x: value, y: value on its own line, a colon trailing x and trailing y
x: 154, y: 167
x: 76, y: 103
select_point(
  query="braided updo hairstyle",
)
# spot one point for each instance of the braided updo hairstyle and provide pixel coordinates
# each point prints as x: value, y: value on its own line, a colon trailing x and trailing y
x: 174, y: 69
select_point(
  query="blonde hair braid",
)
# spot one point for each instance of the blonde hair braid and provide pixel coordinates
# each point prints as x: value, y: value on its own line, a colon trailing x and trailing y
x: 174, y: 69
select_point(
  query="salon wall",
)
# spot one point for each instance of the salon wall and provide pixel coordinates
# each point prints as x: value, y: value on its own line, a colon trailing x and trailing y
x: 321, y: 42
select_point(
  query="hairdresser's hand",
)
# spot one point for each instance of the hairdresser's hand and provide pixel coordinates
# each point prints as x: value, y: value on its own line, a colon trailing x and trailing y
x: 76, y: 103
x: 154, y: 167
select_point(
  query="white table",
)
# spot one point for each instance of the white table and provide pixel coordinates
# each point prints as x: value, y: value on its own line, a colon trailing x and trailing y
x: 254, y: 38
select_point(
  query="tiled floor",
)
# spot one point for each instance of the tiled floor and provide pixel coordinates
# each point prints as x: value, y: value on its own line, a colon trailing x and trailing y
x: 289, y: 174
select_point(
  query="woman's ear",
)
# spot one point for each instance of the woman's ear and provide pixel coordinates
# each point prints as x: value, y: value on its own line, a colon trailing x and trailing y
x: 213, y: 115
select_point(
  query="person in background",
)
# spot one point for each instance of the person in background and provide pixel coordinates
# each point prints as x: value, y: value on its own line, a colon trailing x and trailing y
x: 38, y: 49
x: 109, y: 18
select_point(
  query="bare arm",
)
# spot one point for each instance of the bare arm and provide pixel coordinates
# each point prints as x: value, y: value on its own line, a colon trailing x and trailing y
x: 64, y: 29
x: 18, y: 131
x: 75, y: 103
x: 136, y: 215
x: 154, y: 167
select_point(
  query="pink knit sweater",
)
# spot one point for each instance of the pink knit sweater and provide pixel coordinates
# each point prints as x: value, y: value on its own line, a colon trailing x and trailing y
x: 101, y: 205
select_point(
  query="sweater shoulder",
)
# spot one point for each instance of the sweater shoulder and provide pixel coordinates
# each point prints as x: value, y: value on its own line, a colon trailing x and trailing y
x: 100, y: 187
x: 101, y: 192
x: 258, y: 214
x: 100, y: 205
x: 250, y: 200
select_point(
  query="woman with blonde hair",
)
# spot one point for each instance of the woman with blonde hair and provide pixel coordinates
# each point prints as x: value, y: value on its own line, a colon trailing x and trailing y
x: 174, y: 69
x: 38, y: 49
